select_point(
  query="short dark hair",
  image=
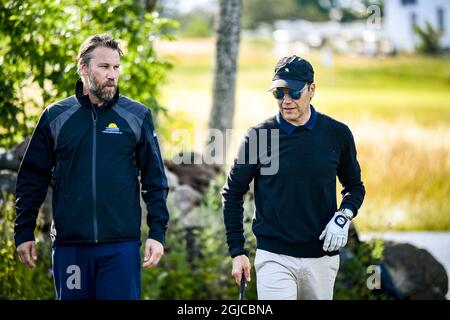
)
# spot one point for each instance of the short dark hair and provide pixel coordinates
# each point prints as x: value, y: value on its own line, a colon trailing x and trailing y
x: 99, y: 40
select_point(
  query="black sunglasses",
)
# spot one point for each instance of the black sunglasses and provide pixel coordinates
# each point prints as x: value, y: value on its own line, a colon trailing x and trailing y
x: 294, y: 94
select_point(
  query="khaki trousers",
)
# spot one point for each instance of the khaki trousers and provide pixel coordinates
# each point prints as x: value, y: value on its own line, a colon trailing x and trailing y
x: 282, y: 277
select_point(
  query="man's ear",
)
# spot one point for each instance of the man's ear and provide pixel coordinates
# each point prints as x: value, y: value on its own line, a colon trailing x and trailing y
x: 312, y: 90
x: 84, y: 69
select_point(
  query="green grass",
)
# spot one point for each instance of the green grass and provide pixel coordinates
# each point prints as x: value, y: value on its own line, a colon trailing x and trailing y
x: 398, y: 109
x: 387, y: 104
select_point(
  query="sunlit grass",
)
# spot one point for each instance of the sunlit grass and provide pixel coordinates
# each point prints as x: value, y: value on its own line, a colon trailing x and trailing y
x: 406, y: 170
x: 398, y: 109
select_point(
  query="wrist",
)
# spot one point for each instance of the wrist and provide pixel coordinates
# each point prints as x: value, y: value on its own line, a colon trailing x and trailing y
x: 237, y: 251
x: 347, y: 213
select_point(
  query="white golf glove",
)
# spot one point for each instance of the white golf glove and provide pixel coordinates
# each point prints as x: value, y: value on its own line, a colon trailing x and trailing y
x: 336, y: 232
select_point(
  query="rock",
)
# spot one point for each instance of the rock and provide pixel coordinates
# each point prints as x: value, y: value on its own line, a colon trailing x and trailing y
x: 11, y: 159
x: 7, y: 182
x: 198, y: 176
x: 193, y: 218
x: 172, y: 180
x: 186, y: 198
x: 407, y: 272
x: 415, y: 273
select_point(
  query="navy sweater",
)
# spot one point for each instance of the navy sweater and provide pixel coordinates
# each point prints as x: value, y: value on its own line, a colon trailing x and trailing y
x: 295, y: 203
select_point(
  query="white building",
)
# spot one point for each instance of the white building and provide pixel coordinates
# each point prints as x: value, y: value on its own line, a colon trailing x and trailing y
x: 355, y: 37
x: 401, y: 15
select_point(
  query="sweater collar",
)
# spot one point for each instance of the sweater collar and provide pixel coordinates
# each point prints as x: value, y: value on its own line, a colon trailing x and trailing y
x: 289, y: 128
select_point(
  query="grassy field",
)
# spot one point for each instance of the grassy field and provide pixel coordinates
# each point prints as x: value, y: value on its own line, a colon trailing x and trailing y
x: 398, y: 109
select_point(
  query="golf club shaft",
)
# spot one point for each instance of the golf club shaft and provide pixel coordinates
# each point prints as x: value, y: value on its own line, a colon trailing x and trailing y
x: 242, y: 287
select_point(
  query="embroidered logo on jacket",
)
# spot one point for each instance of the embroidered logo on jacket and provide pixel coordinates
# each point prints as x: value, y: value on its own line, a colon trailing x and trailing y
x: 112, y: 128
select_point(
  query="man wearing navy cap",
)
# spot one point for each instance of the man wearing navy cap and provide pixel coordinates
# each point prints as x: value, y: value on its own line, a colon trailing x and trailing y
x: 298, y: 225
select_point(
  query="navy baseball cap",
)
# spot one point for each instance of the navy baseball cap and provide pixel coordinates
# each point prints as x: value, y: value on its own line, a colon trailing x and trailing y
x: 292, y: 72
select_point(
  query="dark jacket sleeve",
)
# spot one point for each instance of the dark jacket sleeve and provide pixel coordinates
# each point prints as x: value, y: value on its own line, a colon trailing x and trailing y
x: 33, y: 179
x: 241, y: 174
x: 349, y: 174
x: 153, y: 180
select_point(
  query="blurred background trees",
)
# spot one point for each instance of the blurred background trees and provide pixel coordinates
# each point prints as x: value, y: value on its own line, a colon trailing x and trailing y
x: 38, y: 47
x: 429, y: 39
x: 199, y: 21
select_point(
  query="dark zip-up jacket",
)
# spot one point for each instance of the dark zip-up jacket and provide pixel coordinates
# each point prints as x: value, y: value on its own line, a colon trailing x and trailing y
x: 93, y: 157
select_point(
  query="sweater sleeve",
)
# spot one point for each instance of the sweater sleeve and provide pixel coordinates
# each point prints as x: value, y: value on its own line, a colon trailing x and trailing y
x: 241, y: 174
x: 349, y: 174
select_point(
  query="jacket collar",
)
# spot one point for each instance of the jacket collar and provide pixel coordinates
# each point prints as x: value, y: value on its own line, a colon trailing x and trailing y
x: 84, y: 100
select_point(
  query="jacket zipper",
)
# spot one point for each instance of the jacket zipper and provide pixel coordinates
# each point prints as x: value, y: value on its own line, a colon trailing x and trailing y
x: 94, y: 162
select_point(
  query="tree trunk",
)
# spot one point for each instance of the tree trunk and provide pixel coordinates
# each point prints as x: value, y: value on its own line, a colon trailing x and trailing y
x: 227, y: 47
x: 148, y: 5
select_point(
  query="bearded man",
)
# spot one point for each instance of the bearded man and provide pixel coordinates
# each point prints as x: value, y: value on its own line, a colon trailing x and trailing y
x: 92, y: 147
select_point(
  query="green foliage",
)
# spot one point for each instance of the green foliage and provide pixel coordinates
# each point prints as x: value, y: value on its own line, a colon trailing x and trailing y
x: 429, y: 39
x: 39, y: 45
x: 351, y: 281
x: 16, y: 280
x: 346, y: 11
x: 257, y: 11
x: 197, y: 23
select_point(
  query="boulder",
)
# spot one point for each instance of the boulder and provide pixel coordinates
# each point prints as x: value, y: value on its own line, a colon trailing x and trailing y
x: 198, y: 176
x: 172, y: 179
x: 11, y: 159
x: 415, y: 273
x: 7, y: 182
x: 186, y: 198
x: 407, y: 272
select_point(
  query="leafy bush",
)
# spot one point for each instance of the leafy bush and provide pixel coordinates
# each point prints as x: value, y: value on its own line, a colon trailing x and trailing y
x: 39, y: 45
x: 16, y: 280
x: 352, y: 279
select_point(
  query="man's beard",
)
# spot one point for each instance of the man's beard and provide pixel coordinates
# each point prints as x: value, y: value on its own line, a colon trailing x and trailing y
x: 101, y: 91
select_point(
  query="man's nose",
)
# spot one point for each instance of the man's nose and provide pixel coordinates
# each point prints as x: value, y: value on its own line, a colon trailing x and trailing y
x: 287, y: 98
x: 111, y: 75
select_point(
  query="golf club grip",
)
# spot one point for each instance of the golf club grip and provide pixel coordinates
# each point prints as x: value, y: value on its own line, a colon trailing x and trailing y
x: 242, y: 287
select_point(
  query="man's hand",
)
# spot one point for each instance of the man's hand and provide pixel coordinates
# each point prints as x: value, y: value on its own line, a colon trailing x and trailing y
x: 335, y: 233
x: 27, y: 253
x: 241, y: 264
x: 154, y: 250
